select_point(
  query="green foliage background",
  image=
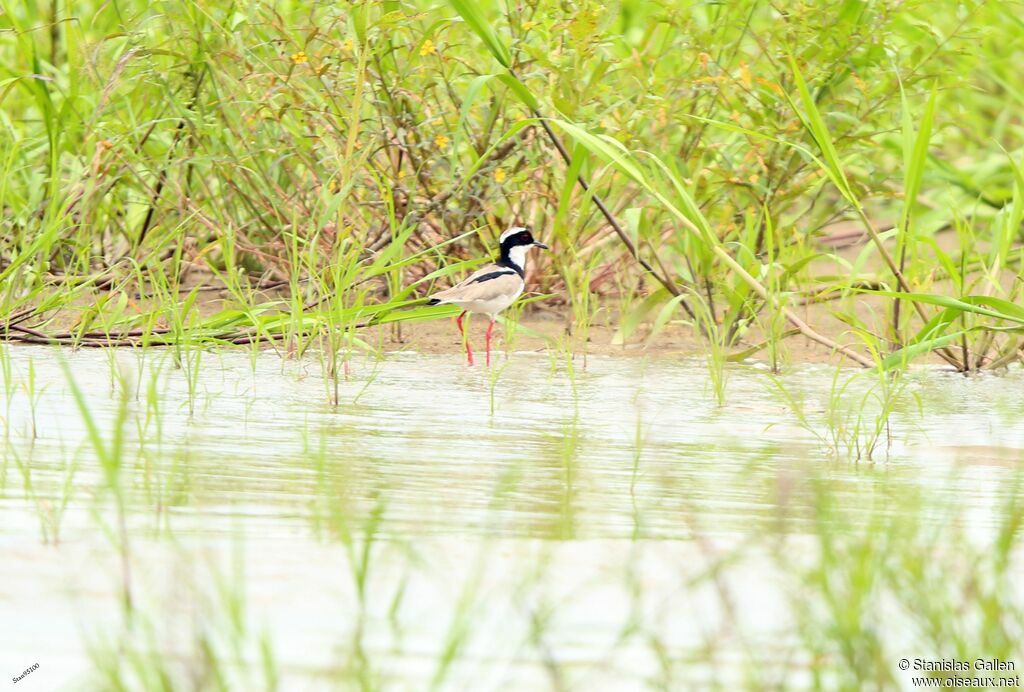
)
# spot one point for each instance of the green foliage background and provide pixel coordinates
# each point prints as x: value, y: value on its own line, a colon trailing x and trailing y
x: 270, y: 143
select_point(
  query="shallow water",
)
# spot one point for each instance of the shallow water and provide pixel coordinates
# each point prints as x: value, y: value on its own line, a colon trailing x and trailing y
x: 611, y: 527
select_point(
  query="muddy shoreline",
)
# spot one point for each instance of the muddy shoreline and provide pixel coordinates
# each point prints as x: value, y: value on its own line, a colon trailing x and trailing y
x: 544, y: 329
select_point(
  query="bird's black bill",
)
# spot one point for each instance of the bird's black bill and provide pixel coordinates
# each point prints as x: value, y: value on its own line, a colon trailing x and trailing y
x: 541, y: 245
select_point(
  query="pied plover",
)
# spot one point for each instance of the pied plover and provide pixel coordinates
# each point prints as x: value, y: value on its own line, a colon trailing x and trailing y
x: 492, y: 287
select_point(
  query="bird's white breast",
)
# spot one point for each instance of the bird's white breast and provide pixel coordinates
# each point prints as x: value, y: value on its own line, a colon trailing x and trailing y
x: 517, y: 255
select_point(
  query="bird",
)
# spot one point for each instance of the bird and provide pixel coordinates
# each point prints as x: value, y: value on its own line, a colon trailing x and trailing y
x: 492, y: 287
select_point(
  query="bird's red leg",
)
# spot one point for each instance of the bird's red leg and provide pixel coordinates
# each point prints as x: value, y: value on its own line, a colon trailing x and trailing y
x: 490, y: 328
x: 465, y: 339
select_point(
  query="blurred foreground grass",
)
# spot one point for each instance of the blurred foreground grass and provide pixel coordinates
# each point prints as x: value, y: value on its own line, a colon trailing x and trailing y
x: 608, y: 529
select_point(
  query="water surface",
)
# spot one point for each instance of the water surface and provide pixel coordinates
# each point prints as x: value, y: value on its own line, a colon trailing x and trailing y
x: 541, y: 526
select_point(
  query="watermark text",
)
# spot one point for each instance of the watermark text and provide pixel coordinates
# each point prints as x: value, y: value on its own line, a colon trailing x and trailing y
x: 954, y: 673
x: 30, y: 669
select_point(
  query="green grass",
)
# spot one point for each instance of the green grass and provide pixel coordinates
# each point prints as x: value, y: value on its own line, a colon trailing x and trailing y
x: 315, y: 169
x: 213, y: 175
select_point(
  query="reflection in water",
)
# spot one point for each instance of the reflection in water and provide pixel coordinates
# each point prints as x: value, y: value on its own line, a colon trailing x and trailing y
x: 615, y: 529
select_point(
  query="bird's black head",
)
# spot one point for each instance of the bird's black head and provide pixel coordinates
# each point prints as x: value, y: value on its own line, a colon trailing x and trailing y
x: 517, y: 236
x: 515, y: 243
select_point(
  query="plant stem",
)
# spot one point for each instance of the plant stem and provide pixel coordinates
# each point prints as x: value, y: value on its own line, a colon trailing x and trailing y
x: 612, y: 221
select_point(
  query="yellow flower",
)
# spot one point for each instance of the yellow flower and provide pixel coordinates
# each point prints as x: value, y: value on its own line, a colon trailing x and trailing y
x: 427, y: 48
x: 348, y: 45
x: 299, y: 58
x: 333, y: 186
x: 441, y: 141
x: 499, y: 176
x: 745, y: 77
